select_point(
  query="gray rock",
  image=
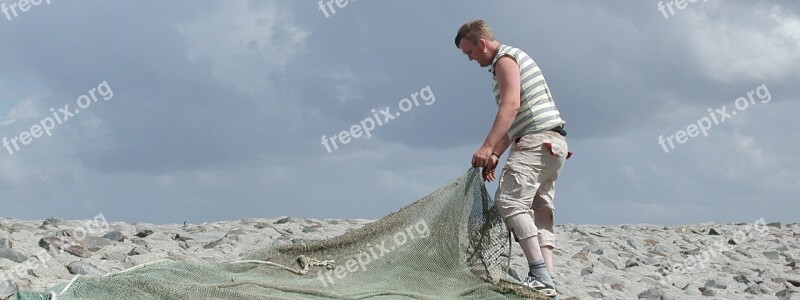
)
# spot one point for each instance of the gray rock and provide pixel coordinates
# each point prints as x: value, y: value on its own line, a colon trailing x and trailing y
x: 12, y: 255
x: 595, y: 294
x: 138, y: 251
x: 785, y: 294
x: 775, y: 225
x: 54, y: 221
x: 773, y: 255
x: 234, y: 232
x: 660, y: 250
x: 635, y: 244
x: 6, y: 243
x: 794, y: 282
x: 7, y: 288
x: 284, y: 220
x: 144, y: 233
x: 708, y: 292
x: 518, y: 272
x: 631, y: 262
x: 312, y: 228
x: 93, y: 243
x: 180, y: 238
x: 115, y: 235
x: 213, y: 244
x: 83, y: 268
x: 139, y: 242
x: 741, y: 279
x: 78, y: 251
x: 262, y: 225
x: 713, y: 231
x: 51, y: 243
x: 651, y: 293
x: 712, y: 283
x: 757, y: 289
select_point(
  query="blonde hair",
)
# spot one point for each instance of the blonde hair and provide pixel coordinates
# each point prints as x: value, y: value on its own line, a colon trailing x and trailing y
x: 473, y: 31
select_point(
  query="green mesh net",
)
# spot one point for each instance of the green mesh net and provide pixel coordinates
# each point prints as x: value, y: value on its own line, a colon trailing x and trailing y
x: 450, y: 244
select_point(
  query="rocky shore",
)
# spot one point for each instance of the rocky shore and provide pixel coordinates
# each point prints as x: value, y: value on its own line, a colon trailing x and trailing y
x: 703, y: 261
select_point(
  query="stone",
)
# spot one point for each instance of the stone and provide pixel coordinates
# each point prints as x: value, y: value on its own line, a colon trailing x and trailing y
x: 708, y: 292
x: 608, y: 263
x: 83, y: 268
x: 587, y: 271
x: 78, y: 251
x: 651, y: 293
x: 180, y: 238
x: 635, y: 244
x: 115, y: 235
x: 139, y: 242
x: 12, y: 255
x: 757, y: 289
x: 631, y: 262
x: 595, y: 294
x: 775, y: 225
x: 713, y: 231
x: 711, y: 283
x: 6, y: 243
x: 51, y: 243
x: 54, y: 221
x: 235, y: 231
x: 138, y: 251
x: 284, y: 220
x: 213, y: 244
x: 7, y: 288
x: 581, y: 255
x: 794, y: 282
x: 144, y: 233
x: 93, y: 243
x: 312, y: 228
x: 785, y: 294
x: 773, y: 255
x: 741, y: 279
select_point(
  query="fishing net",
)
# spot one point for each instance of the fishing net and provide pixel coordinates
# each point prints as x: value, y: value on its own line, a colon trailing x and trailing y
x: 450, y: 244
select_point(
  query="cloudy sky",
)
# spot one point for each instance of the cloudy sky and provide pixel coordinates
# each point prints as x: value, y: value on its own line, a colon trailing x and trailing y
x: 216, y: 110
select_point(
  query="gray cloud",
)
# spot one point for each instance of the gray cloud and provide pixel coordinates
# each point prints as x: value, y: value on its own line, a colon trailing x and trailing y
x: 219, y: 107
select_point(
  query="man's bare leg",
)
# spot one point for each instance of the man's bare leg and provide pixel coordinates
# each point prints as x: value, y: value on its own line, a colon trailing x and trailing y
x: 547, y: 254
x: 530, y: 246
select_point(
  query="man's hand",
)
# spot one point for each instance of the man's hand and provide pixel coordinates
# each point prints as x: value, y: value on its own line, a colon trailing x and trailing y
x: 488, y: 171
x: 482, y: 157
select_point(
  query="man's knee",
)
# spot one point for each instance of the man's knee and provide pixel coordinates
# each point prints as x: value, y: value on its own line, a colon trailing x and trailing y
x: 523, y: 226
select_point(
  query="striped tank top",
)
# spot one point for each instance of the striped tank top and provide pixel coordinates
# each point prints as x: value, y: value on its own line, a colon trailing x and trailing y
x: 537, y: 111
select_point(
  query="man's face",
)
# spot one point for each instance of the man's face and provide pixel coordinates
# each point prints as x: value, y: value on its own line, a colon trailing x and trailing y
x: 474, y: 51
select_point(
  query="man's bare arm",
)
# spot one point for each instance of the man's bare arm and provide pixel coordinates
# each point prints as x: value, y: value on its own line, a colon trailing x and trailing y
x: 507, y: 72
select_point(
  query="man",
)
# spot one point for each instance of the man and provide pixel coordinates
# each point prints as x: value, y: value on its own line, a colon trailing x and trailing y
x: 528, y: 121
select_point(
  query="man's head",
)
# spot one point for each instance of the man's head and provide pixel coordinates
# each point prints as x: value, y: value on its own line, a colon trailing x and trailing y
x: 477, y: 42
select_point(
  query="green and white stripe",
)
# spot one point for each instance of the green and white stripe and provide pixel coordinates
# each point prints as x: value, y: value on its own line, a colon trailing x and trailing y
x: 537, y: 111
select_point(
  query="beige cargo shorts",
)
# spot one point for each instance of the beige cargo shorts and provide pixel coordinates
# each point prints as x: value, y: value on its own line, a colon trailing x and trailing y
x: 527, y: 185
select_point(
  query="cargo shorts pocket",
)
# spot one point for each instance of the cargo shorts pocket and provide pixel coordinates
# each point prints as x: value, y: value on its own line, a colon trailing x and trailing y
x: 511, y: 192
